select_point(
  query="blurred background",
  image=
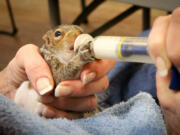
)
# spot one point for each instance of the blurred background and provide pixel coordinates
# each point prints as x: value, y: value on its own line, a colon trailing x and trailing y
x: 32, y: 21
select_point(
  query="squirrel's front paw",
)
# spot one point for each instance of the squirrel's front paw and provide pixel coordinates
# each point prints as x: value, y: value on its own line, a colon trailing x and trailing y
x: 28, y: 98
x: 85, y: 53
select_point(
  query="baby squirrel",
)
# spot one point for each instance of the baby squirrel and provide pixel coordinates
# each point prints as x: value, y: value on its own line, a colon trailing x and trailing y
x: 58, y: 51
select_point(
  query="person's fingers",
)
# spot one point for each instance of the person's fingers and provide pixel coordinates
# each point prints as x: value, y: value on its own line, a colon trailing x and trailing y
x: 75, y: 104
x: 95, y: 70
x: 29, y: 99
x: 173, y: 39
x: 75, y: 88
x: 46, y: 99
x: 51, y: 112
x: 28, y: 58
x: 157, y: 45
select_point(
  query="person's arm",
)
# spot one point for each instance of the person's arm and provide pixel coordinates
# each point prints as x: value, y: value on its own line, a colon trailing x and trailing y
x: 164, y: 48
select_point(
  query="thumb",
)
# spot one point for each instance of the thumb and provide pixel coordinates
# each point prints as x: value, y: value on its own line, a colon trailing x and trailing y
x: 173, y: 39
x: 29, y: 59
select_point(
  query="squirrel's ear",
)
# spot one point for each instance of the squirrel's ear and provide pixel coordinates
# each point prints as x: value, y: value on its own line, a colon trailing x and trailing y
x: 46, y: 39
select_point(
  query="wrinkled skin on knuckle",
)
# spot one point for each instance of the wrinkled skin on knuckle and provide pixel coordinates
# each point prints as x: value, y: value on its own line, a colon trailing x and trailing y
x: 92, y: 103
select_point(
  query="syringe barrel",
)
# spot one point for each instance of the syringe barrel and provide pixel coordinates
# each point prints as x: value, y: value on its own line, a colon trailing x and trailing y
x: 131, y: 49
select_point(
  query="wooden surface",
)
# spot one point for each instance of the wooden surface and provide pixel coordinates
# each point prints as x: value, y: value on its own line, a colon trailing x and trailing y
x: 32, y: 20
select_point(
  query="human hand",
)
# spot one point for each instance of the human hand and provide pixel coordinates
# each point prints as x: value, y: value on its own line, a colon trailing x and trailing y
x: 164, y: 48
x: 79, y: 95
x: 28, y: 64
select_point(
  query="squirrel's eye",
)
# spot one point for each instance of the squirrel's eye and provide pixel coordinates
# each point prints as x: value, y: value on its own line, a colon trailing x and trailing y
x: 58, y: 33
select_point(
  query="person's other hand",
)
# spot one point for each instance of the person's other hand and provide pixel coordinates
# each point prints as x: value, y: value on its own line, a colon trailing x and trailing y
x: 164, y: 47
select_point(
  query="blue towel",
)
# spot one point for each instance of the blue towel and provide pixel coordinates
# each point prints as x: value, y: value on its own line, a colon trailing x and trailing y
x: 139, y: 115
x: 127, y: 80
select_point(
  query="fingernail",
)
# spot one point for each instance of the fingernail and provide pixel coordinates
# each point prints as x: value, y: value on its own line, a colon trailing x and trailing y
x: 88, y: 78
x: 161, y: 67
x: 62, y: 90
x: 43, y: 85
x: 48, y: 113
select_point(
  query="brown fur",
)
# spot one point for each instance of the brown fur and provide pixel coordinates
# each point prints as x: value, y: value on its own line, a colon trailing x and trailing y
x: 55, y: 50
